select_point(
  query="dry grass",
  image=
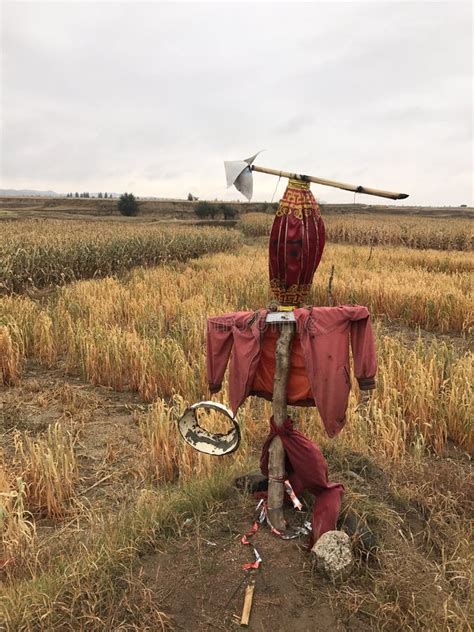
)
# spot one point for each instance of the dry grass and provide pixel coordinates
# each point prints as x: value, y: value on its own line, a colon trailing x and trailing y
x: 166, y: 458
x: 11, y: 355
x: 93, y: 584
x: 17, y: 530
x: 381, y: 230
x: 145, y: 333
x: 49, y: 468
x: 422, y: 577
x: 412, y: 409
x: 410, y: 232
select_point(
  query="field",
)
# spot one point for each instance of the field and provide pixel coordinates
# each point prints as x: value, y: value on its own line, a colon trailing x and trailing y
x: 110, y: 522
x: 58, y: 251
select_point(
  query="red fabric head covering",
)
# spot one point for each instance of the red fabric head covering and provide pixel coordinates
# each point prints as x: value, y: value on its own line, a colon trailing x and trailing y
x: 296, y: 244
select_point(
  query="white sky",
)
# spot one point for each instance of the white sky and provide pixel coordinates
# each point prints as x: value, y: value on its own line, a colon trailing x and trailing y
x: 152, y: 97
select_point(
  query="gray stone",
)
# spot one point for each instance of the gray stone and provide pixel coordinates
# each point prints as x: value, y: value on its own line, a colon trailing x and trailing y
x: 333, y: 556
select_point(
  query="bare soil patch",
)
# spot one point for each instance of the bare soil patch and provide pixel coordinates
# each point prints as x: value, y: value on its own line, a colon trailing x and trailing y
x: 202, y: 582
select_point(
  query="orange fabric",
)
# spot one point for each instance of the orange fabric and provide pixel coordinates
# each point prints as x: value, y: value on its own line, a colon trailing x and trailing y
x: 325, y: 335
x: 299, y: 388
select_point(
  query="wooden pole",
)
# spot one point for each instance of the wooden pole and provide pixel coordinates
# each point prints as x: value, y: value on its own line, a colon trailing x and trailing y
x: 331, y: 183
x: 276, y: 461
x: 248, y: 600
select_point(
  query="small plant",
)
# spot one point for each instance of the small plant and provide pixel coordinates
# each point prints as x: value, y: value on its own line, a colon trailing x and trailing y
x: 10, y: 358
x: 127, y: 205
x: 49, y: 469
x: 17, y: 533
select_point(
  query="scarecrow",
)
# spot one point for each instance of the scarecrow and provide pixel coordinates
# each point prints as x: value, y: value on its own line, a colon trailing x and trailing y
x: 292, y: 354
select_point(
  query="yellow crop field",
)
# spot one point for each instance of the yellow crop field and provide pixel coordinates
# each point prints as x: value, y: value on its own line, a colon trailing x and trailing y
x: 395, y: 230
x: 94, y: 478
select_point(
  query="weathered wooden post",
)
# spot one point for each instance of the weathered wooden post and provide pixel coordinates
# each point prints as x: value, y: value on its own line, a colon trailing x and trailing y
x: 276, y: 464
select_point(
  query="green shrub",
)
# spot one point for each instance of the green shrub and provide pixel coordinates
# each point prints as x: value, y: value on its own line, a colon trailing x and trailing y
x: 205, y: 209
x: 227, y: 211
x: 127, y: 204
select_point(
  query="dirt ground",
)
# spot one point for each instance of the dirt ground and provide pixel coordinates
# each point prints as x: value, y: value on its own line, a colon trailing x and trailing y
x: 102, y: 421
x: 203, y: 585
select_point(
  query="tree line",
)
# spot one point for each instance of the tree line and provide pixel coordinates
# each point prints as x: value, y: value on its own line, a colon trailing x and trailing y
x: 211, y: 209
x: 127, y: 205
x: 88, y: 195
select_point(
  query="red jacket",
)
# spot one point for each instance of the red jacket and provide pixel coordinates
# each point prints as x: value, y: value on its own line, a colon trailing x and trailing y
x: 319, y: 364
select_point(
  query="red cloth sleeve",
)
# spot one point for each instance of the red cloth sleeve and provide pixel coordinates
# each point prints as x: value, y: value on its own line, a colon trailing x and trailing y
x: 219, y: 341
x: 364, y: 353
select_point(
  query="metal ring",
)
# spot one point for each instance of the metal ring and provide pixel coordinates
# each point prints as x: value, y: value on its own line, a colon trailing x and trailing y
x: 215, y: 443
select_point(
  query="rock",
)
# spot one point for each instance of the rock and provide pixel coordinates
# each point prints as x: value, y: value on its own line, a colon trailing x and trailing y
x: 333, y: 555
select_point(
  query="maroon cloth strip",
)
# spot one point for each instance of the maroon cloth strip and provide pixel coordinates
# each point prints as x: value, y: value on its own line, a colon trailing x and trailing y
x: 307, y: 469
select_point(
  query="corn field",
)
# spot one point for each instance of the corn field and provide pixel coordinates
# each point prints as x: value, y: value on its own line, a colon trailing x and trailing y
x: 56, y: 252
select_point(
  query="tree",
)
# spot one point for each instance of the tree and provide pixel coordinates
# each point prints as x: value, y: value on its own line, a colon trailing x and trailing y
x: 213, y: 210
x: 190, y: 197
x: 228, y: 211
x: 105, y: 194
x: 99, y: 195
x: 77, y: 194
x: 127, y: 204
x: 204, y: 209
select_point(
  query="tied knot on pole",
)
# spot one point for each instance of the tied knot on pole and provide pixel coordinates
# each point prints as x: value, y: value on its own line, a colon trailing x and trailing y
x: 285, y: 429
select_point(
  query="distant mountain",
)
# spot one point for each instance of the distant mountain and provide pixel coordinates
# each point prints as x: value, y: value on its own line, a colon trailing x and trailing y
x: 27, y: 193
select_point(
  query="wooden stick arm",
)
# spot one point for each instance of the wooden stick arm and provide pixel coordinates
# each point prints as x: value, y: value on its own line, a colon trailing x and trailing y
x: 331, y: 183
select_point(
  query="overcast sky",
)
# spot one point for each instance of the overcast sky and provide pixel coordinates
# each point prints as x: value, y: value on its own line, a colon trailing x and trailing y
x: 152, y: 97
